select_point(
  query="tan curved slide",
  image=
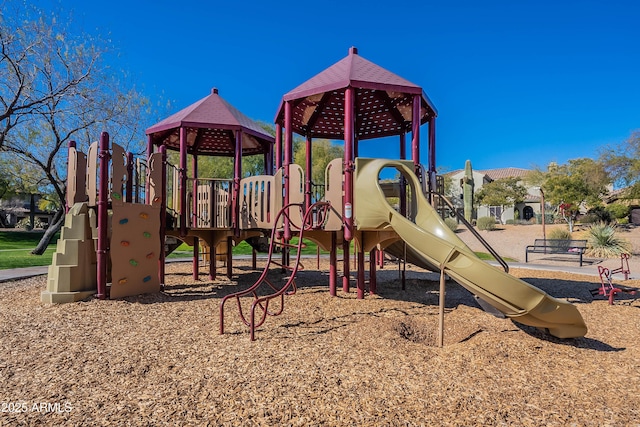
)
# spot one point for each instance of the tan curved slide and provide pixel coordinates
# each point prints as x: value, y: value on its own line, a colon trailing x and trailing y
x: 433, y: 241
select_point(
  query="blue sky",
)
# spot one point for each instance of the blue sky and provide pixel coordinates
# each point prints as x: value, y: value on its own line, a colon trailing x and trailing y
x: 516, y: 83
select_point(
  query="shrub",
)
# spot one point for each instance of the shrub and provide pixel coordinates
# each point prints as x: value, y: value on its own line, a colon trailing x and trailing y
x: 486, y: 223
x: 600, y: 213
x: 618, y: 211
x: 451, y: 223
x: 25, y: 224
x: 511, y: 221
x: 603, y: 242
x: 559, y: 233
x: 590, y: 218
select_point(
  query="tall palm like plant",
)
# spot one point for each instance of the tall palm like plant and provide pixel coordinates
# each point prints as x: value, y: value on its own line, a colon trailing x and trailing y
x: 604, y: 242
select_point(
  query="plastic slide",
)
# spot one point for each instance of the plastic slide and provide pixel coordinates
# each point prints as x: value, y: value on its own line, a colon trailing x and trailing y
x: 440, y: 249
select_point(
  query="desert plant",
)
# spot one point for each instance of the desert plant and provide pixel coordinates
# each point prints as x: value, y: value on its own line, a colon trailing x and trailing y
x: 486, y: 223
x: 451, y: 223
x: 559, y: 233
x: 468, y: 191
x: 603, y: 241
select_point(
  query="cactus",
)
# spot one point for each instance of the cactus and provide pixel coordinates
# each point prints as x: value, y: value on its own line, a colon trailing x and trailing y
x: 467, y: 188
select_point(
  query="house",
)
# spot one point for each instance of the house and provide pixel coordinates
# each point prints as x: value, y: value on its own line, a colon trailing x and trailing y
x: 529, y: 208
x: 23, y: 207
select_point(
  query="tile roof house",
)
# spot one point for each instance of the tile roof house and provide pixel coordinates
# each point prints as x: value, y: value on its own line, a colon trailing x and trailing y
x: 526, y: 210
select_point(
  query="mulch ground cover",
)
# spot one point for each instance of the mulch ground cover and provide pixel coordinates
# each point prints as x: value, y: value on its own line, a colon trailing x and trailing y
x: 160, y: 360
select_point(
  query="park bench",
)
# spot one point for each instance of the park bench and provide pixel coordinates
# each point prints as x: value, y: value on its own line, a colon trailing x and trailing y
x: 557, y: 246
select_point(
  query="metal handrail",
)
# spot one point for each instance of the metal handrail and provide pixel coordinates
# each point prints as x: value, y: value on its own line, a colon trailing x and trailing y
x: 473, y: 231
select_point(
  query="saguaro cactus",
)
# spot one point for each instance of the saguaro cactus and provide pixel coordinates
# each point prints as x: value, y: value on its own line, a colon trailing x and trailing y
x: 467, y: 188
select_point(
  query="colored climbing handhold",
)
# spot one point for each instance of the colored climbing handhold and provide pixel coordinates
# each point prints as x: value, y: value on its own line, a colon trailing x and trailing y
x: 116, y: 196
x: 146, y: 279
x: 133, y: 262
x: 144, y: 215
x: 124, y: 220
x: 146, y: 234
x: 122, y: 281
x: 124, y: 243
x: 150, y: 255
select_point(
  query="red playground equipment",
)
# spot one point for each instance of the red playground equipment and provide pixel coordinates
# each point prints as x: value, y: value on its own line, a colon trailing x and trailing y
x: 607, y: 289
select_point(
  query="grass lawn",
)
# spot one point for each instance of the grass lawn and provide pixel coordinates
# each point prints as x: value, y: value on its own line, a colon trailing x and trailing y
x: 244, y: 248
x: 15, y: 248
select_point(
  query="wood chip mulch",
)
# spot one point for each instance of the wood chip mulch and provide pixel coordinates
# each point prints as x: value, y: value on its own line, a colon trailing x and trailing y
x: 159, y: 359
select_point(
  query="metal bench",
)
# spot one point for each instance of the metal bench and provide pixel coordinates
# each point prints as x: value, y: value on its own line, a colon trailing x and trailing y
x: 557, y: 246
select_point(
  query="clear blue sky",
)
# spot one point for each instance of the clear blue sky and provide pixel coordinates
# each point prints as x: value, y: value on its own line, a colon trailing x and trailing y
x: 516, y: 83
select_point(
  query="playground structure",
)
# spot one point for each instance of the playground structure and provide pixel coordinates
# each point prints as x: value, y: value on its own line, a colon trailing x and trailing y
x: 354, y: 100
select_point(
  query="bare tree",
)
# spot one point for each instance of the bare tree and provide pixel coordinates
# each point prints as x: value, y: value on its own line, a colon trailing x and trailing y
x: 55, y: 88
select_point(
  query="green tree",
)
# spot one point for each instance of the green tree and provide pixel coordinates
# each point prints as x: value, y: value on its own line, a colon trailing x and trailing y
x: 622, y: 163
x: 581, y: 182
x: 322, y: 152
x: 505, y: 192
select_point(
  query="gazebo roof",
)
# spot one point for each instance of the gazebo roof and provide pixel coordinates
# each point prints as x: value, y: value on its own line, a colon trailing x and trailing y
x: 383, y: 103
x: 211, y: 124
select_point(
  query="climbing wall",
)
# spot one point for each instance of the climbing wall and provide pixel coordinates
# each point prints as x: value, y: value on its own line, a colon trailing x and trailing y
x: 135, y: 250
x: 135, y: 238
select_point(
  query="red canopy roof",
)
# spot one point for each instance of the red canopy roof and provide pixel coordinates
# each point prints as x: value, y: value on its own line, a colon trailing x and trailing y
x: 383, y: 103
x: 211, y: 124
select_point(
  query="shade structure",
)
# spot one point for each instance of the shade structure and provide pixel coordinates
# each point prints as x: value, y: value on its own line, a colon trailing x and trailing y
x: 383, y: 101
x: 211, y: 124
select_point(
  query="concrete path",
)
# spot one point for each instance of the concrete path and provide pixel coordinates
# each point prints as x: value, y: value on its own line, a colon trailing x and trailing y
x: 589, y: 270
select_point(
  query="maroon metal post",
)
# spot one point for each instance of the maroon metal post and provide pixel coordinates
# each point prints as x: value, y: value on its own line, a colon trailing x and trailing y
x: 147, y: 184
x: 194, y: 217
x: 333, y: 264
x: 415, y: 131
x: 196, y: 258
x: 163, y: 213
x: 360, y: 273
x: 229, y: 257
x: 373, y: 283
x: 237, y: 174
x: 348, y: 164
x: 182, y: 173
x: 432, y: 150
x: 254, y: 258
x: 194, y: 190
x: 432, y: 145
x: 129, y: 185
x: 309, y: 173
x: 403, y: 156
x: 72, y: 144
x: 212, y: 262
x: 288, y: 151
x: 103, y: 216
x: 345, y: 265
x: 278, y: 153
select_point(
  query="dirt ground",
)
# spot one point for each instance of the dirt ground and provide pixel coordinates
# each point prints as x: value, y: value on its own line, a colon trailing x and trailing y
x: 160, y: 360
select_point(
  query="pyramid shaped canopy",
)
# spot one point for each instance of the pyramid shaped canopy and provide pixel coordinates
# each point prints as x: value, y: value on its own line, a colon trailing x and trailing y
x: 383, y: 101
x: 211, y: 124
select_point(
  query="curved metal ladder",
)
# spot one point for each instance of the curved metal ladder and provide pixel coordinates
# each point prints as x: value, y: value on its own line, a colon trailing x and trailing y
x: 320, y: 209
